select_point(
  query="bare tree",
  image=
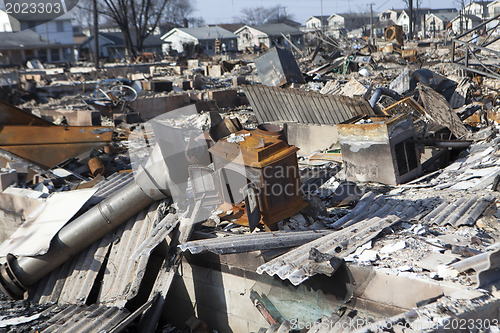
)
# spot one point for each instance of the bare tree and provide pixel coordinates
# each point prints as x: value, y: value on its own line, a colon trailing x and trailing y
x: 261, y: 15
x: 178, y: 14
x: 82, y: 14
x: 137, y: 19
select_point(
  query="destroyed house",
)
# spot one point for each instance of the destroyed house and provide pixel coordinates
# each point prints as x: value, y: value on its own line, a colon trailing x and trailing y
x: 213, y: 40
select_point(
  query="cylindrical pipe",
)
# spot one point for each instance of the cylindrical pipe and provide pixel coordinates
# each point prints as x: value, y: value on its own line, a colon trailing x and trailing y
x: 18, y: 274
x: 378, y: 92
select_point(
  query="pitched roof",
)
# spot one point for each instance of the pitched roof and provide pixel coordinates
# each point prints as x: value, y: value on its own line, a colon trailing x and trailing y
x: 22, y: 39
x: 322, y: 18
x: 116, y: 39
x: 204, y: 33
x: 276, y: 29
x: 353, y: 15
x: 468, y: 16
x: 232, y: 27
x: 447, y: 17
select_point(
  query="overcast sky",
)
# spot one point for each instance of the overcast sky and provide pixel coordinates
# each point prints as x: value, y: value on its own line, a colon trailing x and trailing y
x: 223, y: 11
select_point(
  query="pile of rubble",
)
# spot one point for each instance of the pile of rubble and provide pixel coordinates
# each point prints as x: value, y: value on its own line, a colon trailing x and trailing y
x: 345, y: 188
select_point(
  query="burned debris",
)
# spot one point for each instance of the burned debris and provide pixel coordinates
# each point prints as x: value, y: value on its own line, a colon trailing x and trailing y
x: 340, y: 186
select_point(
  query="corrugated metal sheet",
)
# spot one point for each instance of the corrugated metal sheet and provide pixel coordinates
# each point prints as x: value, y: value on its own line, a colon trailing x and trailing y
x: 113, y: 183
x: 72, y: 282
x: 253, y: 242
x: 374, y: 214
x: 308, y: 107
x: 124, y: 270
x: 123, y: 276
x: 464, y: 211
x: 83, y: 318
x: 70, y: 318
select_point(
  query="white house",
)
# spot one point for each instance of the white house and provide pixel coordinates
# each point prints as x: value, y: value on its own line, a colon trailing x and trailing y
x: 269, y: 35
x: 461, y: 23
x: 493, y: 8
x: 477, y: 8
x: 8, y: 24
x: 206, y: 37
x: 389, y: 15
x: 338, y: 23
x: 435, y: 23
x: 404, y: 21
x: 317, y: 23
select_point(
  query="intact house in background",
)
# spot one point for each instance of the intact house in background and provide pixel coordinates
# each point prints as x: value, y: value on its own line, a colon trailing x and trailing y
x: 18, y: 47
x: 269, y: 35
x: 477, y: 8
x: 389, y: 15
x: 436, y: 23
x: 212, y: 40
x: 112, y: 45
x: 317, y: 22
x: 464, y: 22
x: 493, y: 8
x: 340, y: 24
x: 21, y: 47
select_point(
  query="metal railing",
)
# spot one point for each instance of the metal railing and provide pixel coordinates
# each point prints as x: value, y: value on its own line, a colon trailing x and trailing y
x: 470, y: 49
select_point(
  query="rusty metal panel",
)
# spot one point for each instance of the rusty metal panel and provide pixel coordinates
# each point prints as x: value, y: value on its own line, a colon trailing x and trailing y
x: 48, y: 146
x: 308, y: 107
x: 278, y: 67
x: 10, y: 115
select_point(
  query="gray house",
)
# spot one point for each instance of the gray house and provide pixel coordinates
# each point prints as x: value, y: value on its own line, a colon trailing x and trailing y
x: 112, y: 45
x: 18, y: 47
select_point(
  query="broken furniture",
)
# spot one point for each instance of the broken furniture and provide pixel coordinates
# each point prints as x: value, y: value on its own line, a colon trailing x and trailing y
x: 380, y: 149
x: 259, y: 168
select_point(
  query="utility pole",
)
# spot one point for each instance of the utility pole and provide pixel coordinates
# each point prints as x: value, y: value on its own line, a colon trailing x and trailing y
x: 96, y: 36
x: 322, y: 25
x: 371, y: 24
x: 417, y: 18
x: 410, y: 34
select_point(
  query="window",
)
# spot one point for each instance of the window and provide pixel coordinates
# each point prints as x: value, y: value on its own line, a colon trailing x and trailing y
x: 42, y: 55
x: 54, y: 55
x: 60, y: 26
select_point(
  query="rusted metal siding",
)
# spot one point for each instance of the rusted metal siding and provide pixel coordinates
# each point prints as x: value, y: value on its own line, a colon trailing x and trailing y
x: 308, y: 107
x: 44, y: 143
